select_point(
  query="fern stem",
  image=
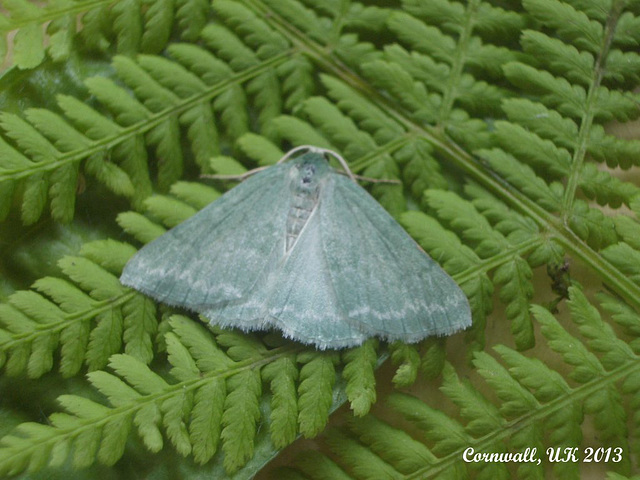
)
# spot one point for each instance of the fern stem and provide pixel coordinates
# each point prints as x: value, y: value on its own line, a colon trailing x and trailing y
x: 449, y: 95
x: 388, y: 148
x: 470, y: 165
x: 127, y: 411
x: 152, y: 121
x: 432, y: 135
x: 538, y: 415
x: 487, y: 265
x: 51, y: 328
x: 337, y: 24
x: 586, y: 123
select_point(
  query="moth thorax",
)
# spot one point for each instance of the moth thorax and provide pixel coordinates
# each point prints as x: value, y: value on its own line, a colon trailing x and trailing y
x: 303, y: 202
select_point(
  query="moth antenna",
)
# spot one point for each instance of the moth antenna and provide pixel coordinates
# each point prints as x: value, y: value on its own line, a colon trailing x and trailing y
x: 322, y: 151
x: 342, y: 162
x: 290, y: 153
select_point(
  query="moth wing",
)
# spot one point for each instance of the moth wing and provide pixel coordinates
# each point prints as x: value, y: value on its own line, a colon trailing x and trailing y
x: 381, y: 278
x: 298, y: 298
x: 222, y: 251
x: 304, y: 303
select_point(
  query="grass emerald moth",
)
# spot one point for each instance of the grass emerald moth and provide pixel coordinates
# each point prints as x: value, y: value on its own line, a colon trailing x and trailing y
x: 300, y: 247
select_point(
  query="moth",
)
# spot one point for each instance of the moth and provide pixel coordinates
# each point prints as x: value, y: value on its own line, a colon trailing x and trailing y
x: 304, y: 249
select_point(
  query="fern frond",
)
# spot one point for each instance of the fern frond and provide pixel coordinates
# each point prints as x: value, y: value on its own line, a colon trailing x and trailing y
x: 28, y: 49
x: 127, y: 26
x: 408, y: 360
x: 497, y: 120
x: 400, y: 85
x: 359, y: 373
x: 132, y: 25
x: 512, y: 272
x: 574, y: 79
x: 88, y: 319
x: 259, y: 148
x: 283, y: 375
x: 239, y: 419
x: 200, y: 419
x: 369, y: 117
x: 316, y: 380
x: 625, y: 258
x: 302, y: 17
x: 534, y: 406
x: 314, y: 465
x: 211, y: 399
x: 167, y: 93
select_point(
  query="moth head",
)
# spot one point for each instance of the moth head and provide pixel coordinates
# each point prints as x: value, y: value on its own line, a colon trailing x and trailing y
x: 309, y: 170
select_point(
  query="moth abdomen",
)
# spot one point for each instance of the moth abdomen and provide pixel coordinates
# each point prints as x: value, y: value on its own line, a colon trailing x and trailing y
x: 303, y: 203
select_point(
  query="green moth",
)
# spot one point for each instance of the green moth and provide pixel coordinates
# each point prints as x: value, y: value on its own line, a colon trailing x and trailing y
x: 305, y: 249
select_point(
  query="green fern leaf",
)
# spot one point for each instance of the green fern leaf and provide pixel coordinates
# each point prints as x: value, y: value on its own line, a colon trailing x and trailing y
x: 359, y: 368
x: 408, y: 360
x: 626, y: 34
x: 241, y: 413
x: 171, y: 212
x: 369, y: 117
x: 148, y: 421
x: 192, y: 17
x: 126, y: 110
x: 260, y: 148
x: 362, y: 461
x: 523, y: 177
x: 482, y: 415
x: 95, y: 32
x: 400, y: 85
x: 570, y: 23
x: 176, y: 411
x: 300, y: 132
x: 392, y: 445
x: 422, y: 37
x: 206, y: 420
x: 127, y: 23
x: 446, y: 432
x: 28, y: 47
x: 313, y: 464
x: 303, y: 18
x: 592, y: 226
x: 202, y: 133
x: 297, y: 83
x: 282, y: 375
x: 158, y: 22
x: 316, y: 382
x: 526, y: 388
x: 622, y: 67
